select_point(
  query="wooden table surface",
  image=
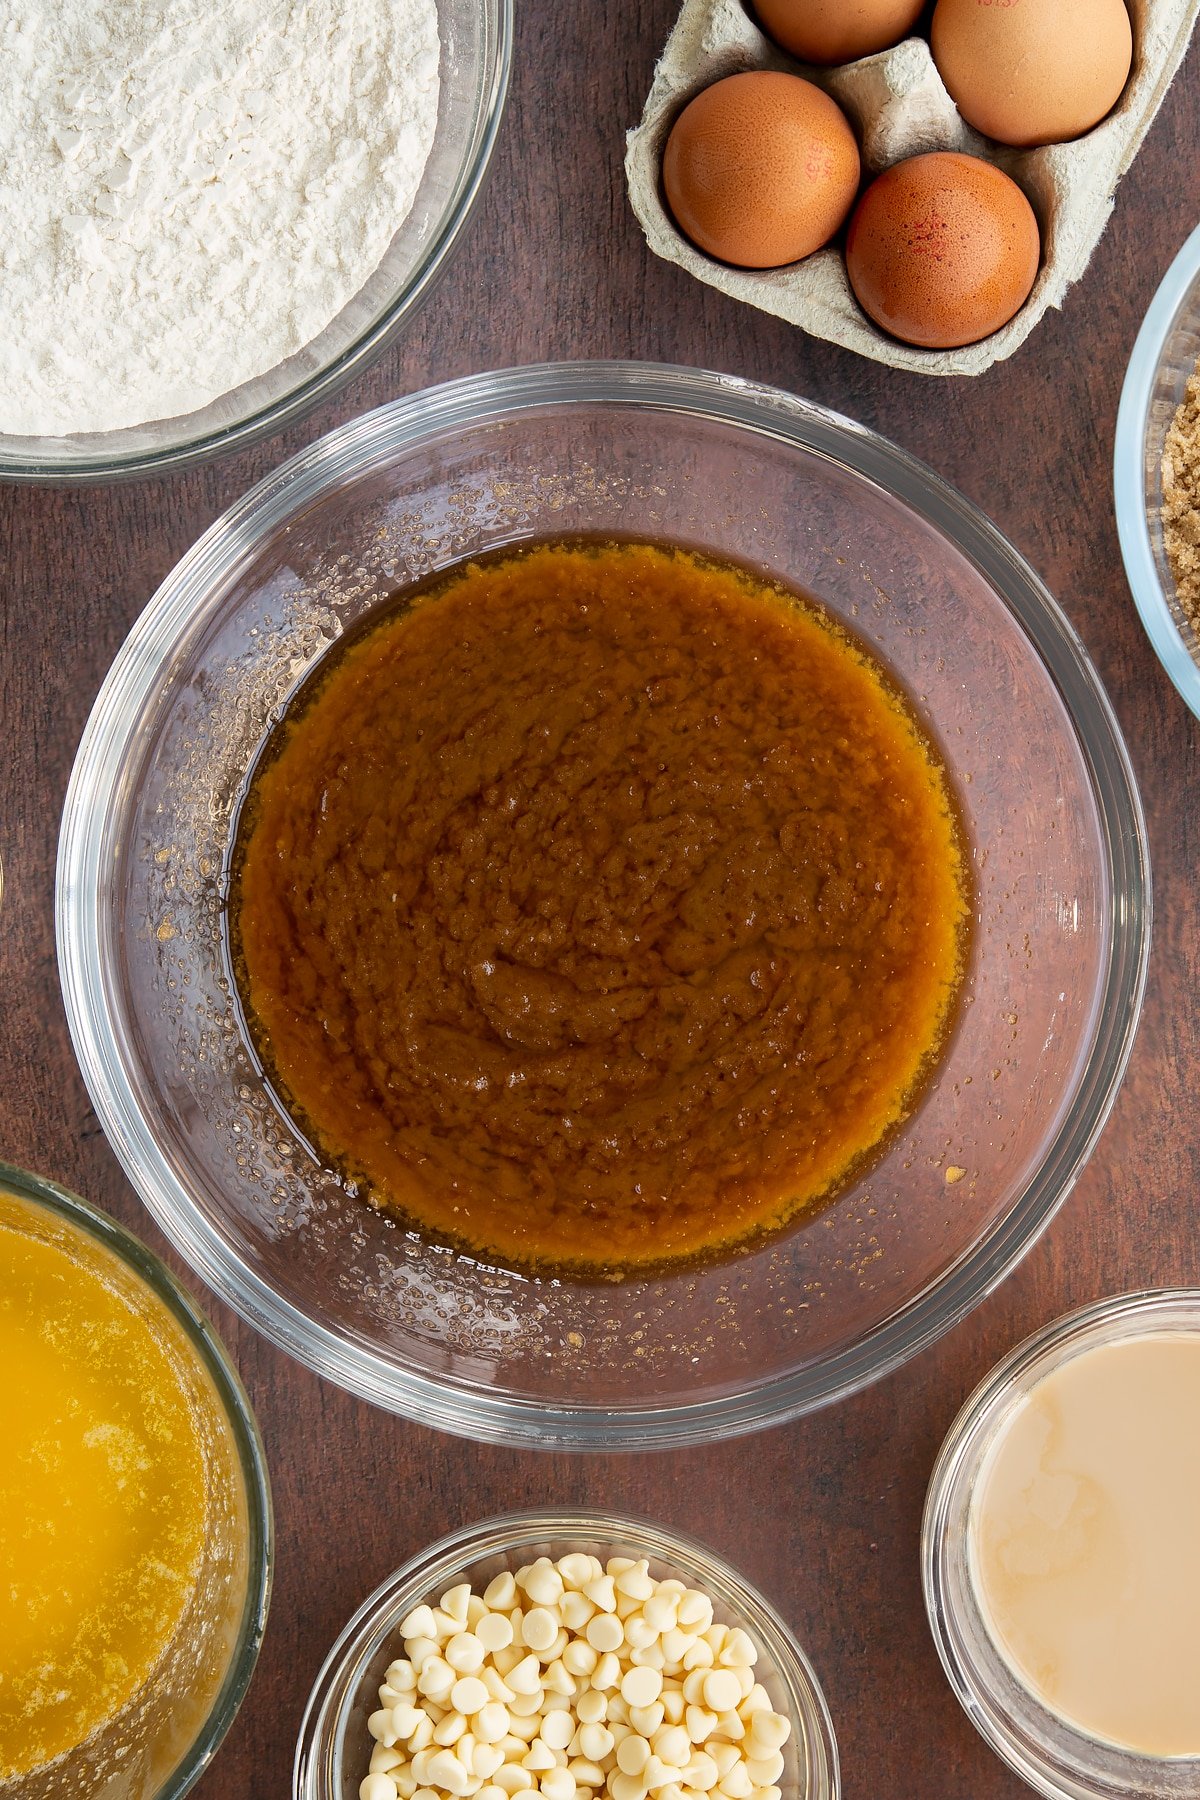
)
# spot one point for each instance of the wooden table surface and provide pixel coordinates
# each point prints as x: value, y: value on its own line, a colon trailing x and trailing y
x: 823, y: 1514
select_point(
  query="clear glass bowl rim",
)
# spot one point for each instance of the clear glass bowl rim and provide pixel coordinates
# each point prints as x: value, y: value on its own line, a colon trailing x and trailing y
x: 143, y: 1263
x: 1136, y: 1311
x: 362, y: 351
x: 378, y: 437
x: 509, y: 1532
x: 1129, y: 486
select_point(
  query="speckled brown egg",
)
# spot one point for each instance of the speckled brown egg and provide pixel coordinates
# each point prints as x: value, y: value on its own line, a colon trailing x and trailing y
x: 942, y: 250
x: 760, y: 169
x: 1033, y: 71
x: 837, y: 31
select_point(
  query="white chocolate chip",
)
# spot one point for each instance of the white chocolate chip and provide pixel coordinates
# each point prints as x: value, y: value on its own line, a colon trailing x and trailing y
x: 377, y: 1787
x: 418, y: 1624
x: 544, y: 1584
x: 456, y: 1602
x: 769, y: 1730
x: 635, y: 1581
x: 575, y: 1569
x: 579, y: 1658
x: 672, y: 1745
x: 383, y: 1760
x: 575, y: 1609
x: 639, y: 1631
x: 493, y: 1631
x: 642, y: 1686
x: 765, y: 1770
x: 661, y: 1611
x: 540, y: 1628
x: 499, y: 1594
x: 526, y: 1678
x: 633, y: 1753
x: 605, y: 1632
x: 491, y: 1723
x: 700, y: 1723
x: 647, y: 1719
x: 558, y: 1728
x: 511, y: 1778
x: 445, y: 1771
x: 595, y: 1741
x: 464, y: 1652
x: 695, y: 1610
x: 468, y: 1695
x: 722, y: 1690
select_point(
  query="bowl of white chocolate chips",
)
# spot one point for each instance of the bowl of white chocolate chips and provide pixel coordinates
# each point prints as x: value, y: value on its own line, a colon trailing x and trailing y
x: 580, y: 1656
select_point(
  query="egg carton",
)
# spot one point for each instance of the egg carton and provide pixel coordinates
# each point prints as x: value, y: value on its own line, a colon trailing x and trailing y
x: 899, y: 107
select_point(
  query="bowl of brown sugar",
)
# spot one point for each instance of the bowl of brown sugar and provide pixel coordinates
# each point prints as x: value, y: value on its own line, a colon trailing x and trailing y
x: 559, y: 920
x: 1156, y: 468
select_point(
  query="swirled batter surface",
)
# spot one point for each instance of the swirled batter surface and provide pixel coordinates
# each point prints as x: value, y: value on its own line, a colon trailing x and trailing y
x: 599, y: 907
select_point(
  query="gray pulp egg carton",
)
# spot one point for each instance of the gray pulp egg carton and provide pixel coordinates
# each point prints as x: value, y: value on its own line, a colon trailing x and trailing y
x: 899, y: 107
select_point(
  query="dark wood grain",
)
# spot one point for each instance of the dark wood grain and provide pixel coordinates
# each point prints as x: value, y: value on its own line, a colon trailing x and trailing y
x: 824, y: 1514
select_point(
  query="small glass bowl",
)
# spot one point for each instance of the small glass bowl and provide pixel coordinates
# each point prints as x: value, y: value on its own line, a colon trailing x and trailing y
x: 476, y: 55
x: 1055, y: 1758
x: 207, y: 1668
x: 334, y: 1746
x: 1164, y: 356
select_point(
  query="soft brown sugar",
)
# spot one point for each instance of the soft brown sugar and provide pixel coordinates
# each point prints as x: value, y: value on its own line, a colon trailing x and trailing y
x: 1181, y: 501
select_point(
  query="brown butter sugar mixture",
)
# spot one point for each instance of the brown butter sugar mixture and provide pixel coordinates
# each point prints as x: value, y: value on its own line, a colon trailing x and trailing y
x: 599, y: 908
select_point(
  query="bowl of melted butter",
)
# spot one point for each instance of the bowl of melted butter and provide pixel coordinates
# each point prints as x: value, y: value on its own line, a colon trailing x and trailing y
x: 602, y: 904
x: 135, y: 1513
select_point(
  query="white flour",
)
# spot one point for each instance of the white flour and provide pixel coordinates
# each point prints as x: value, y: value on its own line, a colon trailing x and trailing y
x: 189, y: 193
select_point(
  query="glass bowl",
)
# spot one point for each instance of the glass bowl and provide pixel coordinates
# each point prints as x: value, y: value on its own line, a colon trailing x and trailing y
x: 166, y: 1735
x: 1165, y: 354
x: 476, y: 53
x: 1054, y: 1757
x: 334, y: 1746
x: 1053, y: 990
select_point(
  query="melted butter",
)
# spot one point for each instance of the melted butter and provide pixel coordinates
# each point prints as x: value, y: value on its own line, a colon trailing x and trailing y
x: 599, y: 907
x: 1085, y: 1543
x: 102, y: 1488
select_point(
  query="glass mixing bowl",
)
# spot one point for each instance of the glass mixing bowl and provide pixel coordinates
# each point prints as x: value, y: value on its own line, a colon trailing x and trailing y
x: 166, y: 1735
x: 1165, y: 354
x: 1053, y: 990
x: 334, y: 1746
x: 476, y: 52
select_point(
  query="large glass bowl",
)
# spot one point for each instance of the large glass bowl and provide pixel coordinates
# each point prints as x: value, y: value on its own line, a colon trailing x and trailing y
x: 476, y: 52
x: 1165, y: 354
x: 334, y: 1744
x: 165, y: 1736
x: 1056, y: 974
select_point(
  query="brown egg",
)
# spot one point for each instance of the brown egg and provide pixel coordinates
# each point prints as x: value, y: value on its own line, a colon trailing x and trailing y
x: 761, y: 169
x: 942, y: 250
x: 1033, y: 71
x: 837, y: 31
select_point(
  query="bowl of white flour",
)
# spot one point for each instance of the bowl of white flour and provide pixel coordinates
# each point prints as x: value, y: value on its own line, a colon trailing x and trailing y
x: 213, y: 216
